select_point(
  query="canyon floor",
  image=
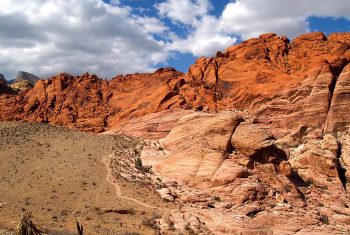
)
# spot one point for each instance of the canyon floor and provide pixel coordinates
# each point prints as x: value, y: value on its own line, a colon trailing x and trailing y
x: 58, y: 175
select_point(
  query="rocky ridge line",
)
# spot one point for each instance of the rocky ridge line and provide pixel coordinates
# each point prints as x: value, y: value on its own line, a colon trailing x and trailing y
x: 285, y: 84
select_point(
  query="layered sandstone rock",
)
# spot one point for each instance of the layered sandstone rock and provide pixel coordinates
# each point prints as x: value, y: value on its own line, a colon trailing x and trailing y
x: 153, y: 126
x: 89, y: 103
x: 285, y: 84
x: 338, y: 115
x: 249, y: 139
x: 197, y: 151
x: 254, y: 139
x: 231, y: 169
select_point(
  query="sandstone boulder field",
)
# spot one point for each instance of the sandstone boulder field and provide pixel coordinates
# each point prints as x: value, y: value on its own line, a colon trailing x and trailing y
x: 254, y: 140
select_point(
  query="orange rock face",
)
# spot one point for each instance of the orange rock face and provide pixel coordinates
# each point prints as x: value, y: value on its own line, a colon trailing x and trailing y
x: 259, y: 132
x: 89, y: 103
x: 286, y: 84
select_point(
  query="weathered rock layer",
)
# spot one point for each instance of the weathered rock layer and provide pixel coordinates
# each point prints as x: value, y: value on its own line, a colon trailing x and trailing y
x: 286, y: 84
x: 255, y: 139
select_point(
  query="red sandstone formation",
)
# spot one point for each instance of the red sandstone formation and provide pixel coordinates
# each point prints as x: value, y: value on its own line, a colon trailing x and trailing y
x: 232, y: 176
x: 89, y: 103
x: 268, y: 149
x: 286, y: 84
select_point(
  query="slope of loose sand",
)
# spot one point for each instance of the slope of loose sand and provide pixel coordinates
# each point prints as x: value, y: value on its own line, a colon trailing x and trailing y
x: 58, y: 175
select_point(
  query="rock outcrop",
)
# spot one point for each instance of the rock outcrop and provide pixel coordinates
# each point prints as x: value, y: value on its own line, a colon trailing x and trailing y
x: 253, y: 140
x: 91, y: 104
x: 21, y: 85
x: 25, y: 76
x: 231, y: 169
x: 2, y: 78
x: 338, y: 114
x: 23, y: 81
x: 4, y: 89
x: 285, y: 84
x: 153, y: 126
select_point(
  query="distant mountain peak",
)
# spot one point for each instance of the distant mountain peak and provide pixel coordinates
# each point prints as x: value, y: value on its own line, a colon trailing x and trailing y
x: 21, y: 76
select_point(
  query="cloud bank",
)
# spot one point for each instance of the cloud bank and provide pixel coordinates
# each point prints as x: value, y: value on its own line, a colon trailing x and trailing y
x: 46, y: 37
x: 50, y: 36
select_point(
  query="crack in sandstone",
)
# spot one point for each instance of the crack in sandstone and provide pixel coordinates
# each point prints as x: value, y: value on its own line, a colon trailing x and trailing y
x: 340, y: 170
x: 229, y: 147
x: 332, y: 87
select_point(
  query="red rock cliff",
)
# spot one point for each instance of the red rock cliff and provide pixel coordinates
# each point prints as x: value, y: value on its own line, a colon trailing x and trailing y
x: 285, y: 84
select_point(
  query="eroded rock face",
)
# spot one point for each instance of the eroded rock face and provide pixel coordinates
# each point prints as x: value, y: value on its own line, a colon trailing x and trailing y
x: 217, y: 171
x: 317, y: 162
x: 2, y: 79
x: 285, y: 84
x: 197, y: 151
x: 153, y: 126
x: 25, y: 76
x: 91, y: 104
x: 23, y: 81
x: 21, y: 85
x: 4, y: 89
x: 250, y: 138
x: 338, y: 115
x: 344, y: 158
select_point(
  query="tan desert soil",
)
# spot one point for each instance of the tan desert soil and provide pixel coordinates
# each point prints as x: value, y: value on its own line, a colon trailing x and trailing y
x: 58, y: 175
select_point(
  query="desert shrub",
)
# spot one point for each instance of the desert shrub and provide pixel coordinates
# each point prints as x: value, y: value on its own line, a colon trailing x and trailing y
x: 138, y: 164
x: 140, y: 167
x: 324, y: 219
x: 26, y: 227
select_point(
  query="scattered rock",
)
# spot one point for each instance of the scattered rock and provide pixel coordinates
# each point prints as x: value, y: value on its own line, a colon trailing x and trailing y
x: 250, y: 138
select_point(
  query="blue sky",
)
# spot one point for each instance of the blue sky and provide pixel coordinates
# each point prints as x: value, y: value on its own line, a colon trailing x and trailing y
x: 180, y: 61
x: 110, y: 37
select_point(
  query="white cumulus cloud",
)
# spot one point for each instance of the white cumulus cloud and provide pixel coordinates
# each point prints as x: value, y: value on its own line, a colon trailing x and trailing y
x: 249, y: 18
x: 46, y: 37
x: 204, y: 37
x: 183, y: 11
x: 205, y: 40
x: 49, y: 36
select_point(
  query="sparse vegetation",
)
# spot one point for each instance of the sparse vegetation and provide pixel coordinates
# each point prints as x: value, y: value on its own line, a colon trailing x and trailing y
x: 65, y: 185
x: 140, y: 167
x: 27, y: 227
x: 324, y: 219
x: 152, y: 223
x: 189, y: 229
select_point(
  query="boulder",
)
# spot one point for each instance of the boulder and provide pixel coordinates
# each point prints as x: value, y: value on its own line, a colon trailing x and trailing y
x: 251, y: 138
x: 317, y: 162
x: 197, y: 151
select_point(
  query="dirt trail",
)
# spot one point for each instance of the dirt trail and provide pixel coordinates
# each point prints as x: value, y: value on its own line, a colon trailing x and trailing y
x: 106, y: 160
x: 57, y: 174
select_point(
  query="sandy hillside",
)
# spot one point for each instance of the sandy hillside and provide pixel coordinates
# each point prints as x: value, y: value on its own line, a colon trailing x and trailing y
x: 58, y: 175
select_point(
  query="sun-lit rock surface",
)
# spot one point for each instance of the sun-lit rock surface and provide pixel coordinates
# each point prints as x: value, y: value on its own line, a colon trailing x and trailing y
x: 215, y: 171
x: 253, y: 140
x: 285, y: 84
